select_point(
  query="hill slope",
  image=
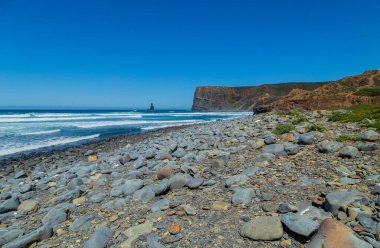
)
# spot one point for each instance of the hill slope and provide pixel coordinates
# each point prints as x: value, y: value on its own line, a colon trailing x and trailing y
x: 349, y: 91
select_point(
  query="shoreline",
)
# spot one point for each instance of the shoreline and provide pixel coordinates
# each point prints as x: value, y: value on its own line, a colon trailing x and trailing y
x: 79, y: 149
x: 230, y: 183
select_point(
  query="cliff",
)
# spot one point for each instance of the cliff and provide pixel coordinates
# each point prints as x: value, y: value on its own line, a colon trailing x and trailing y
x: 354, y: 90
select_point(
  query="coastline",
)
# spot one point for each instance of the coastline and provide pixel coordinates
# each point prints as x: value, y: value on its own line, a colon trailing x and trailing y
x: 108, y: 144
x: 202, y: 185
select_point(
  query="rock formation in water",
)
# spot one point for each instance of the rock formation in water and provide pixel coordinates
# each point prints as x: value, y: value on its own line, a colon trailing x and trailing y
x: 349, y: 91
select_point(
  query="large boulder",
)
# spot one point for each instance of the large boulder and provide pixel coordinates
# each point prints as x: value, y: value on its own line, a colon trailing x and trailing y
x: 333, y: 234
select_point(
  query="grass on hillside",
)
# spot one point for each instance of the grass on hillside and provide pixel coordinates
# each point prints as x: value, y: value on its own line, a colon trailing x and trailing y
x: 300, y: 120
x: 316, y: 127
x: 368, y: 92
x: 282, y: 129
x: 342, y: 138
x: 358, y: 114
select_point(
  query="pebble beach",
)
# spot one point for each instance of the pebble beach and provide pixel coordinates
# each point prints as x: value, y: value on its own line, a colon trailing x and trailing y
x: 229, y: 183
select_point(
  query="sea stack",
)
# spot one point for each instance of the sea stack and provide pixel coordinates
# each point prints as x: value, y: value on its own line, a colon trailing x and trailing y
x: 151, y: 109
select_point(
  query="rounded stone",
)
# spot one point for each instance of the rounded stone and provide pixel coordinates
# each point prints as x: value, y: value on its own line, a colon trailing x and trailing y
x: 266, y: 228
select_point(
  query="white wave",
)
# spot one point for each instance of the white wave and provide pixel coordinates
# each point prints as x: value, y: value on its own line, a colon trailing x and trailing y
x: 43, y: 132
x: 168, y: 125
x: 124, y: 123
x: 199, y: 114
x: 44, y: 119
x: 48, y: 143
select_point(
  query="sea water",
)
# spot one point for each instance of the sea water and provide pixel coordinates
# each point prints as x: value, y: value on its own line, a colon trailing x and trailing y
x: 23, y: 131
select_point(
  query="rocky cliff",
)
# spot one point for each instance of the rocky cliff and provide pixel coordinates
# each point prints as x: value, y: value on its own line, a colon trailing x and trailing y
x: 353, y: 90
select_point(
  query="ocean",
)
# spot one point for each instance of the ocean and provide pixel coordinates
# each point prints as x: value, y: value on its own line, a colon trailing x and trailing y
x: 25, y: 131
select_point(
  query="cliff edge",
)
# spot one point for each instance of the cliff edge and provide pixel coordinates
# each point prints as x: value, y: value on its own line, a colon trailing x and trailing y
x: 349, y: 91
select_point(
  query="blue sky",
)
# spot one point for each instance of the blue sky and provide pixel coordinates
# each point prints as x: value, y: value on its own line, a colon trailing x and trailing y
x: 126, y: 54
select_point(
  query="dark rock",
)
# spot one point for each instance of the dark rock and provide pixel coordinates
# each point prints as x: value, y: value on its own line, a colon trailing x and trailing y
x: 54, y: 217
x: 299, y: 224
x: 276, y: 149
x: 242, y: 196
x: 100, y: 238
x: 194, y: 183
x: 9, y: 205
x: 369, y: 135
x: 82, y: 223
x: 367, y: 146
x: 327, y: 146
x: 337, y: 199
x: 34, y: 236
x: 291, y: 149
x: 7, y: 235
x: 348, y: 152
x: 306, y: 139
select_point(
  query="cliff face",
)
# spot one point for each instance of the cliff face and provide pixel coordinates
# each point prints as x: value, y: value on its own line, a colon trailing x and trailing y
x: 349, y: 91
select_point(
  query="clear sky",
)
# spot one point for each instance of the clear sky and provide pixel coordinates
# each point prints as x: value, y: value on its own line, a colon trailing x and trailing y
x: 76, y: 53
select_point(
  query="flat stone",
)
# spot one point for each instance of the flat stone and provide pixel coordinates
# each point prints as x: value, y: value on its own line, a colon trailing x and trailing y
x: 237, y: 180
x: 28, y: 206
x: 34, y: 236
x: 131, y: 186
x: 54, y: 217
x: 194, y: 183
x: 333, y: 234
x: 266, y: 228
x: 348, y: 152
x: 179, y: 180
x: 145, y: 194
x: 276, y: 149
x: 337, y: 199
x: 327, y: 146
x: 134, y: 232
x: 153, y: 241
x: 20, y: 174
x: 369, y: 135
x: 242, y: 196
x: 190, y: 210
x: 264, y: 157
x: 299, y: 224
x: 347, y: 180
x: 97, y: 198
x: 114, y: 204
x: 7, y: 235
x: 9, y: 205
x: 160, y: 205
x: 219, y: 205
x: 82, y: 223
x: 100, y: 238
x: 369, y: 146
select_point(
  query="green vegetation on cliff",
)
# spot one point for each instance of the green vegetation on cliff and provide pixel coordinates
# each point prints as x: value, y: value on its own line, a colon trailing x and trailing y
x: 368, y: 116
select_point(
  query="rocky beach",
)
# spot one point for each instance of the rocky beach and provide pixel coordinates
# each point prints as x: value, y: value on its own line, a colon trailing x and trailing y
x: 247, y: 182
